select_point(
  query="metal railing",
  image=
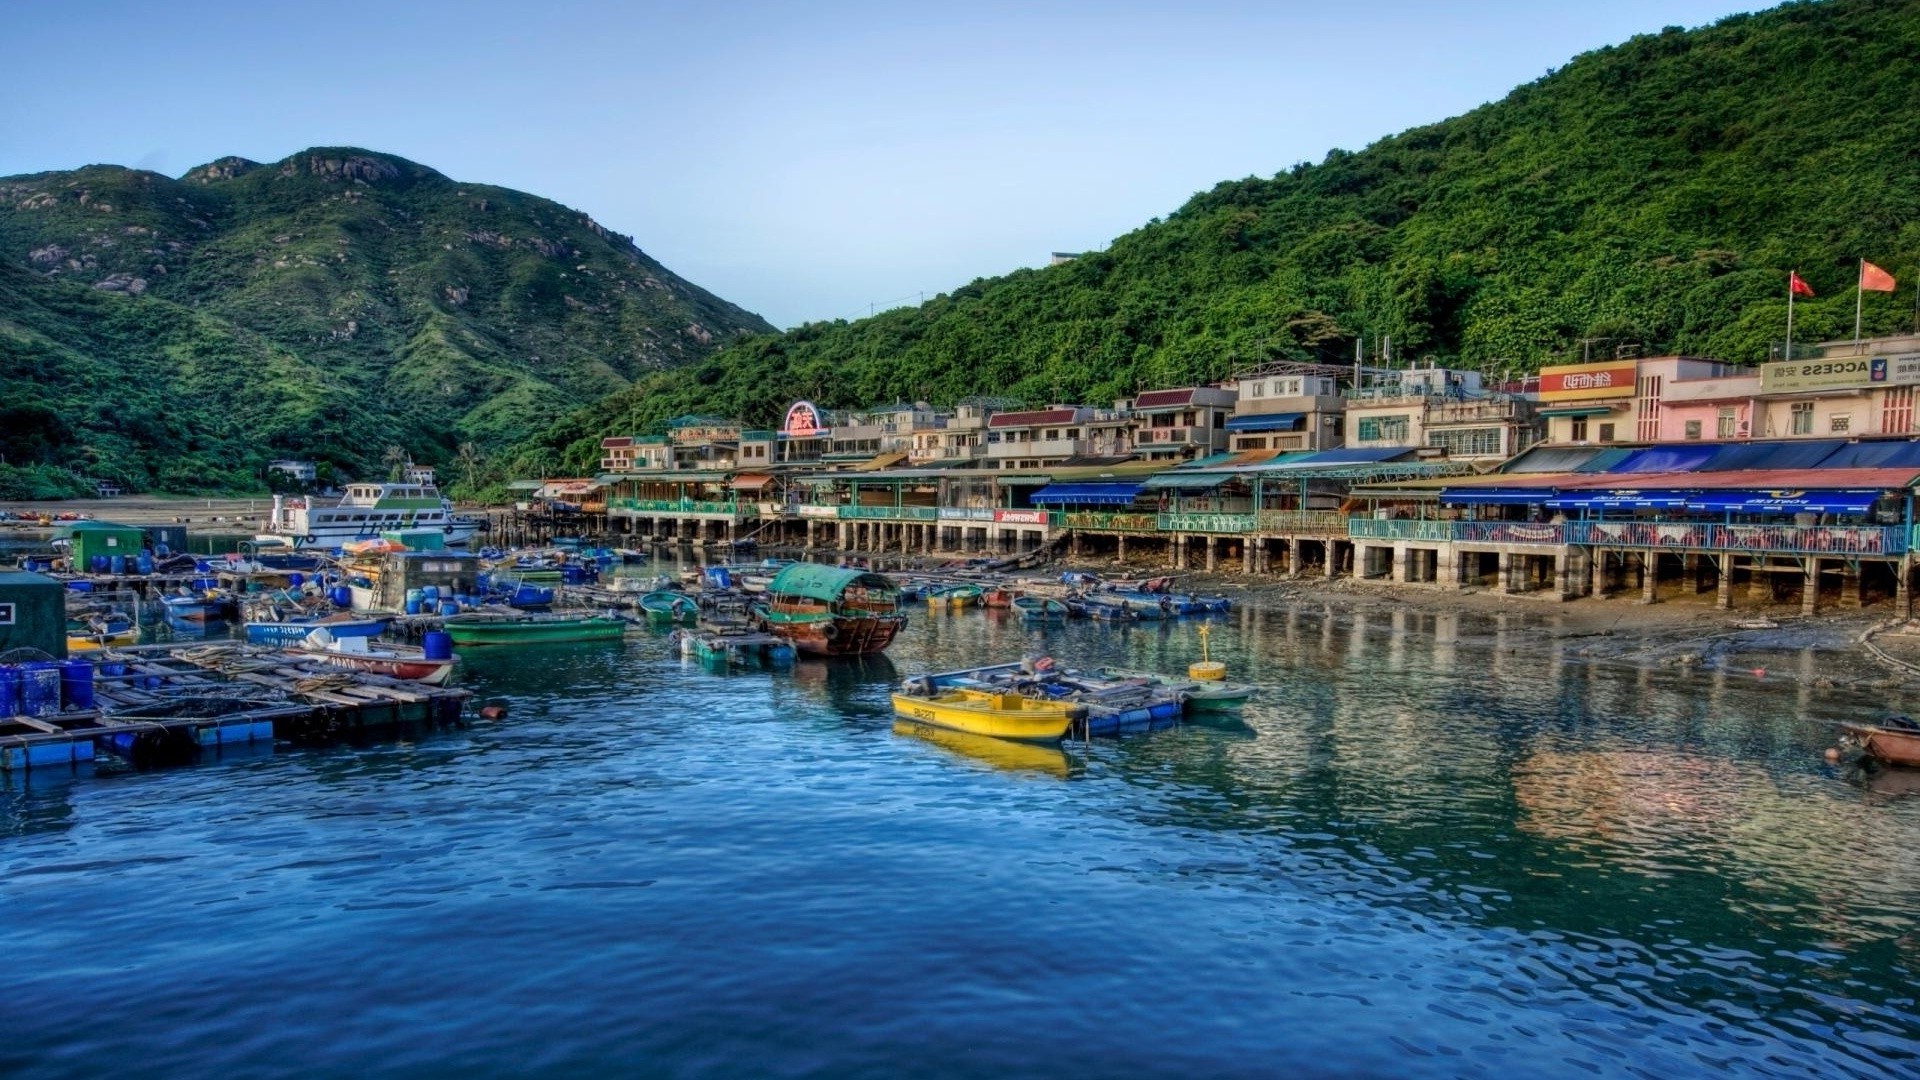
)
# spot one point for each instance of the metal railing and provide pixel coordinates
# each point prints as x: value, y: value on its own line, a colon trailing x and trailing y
x: 682, y: 506
x: 890, y: 513
x: 1375, y: 529
x: 1508, y: 532
x: 1207, y: 522
x: 1115, y: 521
x: 1772, y: 539
x: 1322, y: 522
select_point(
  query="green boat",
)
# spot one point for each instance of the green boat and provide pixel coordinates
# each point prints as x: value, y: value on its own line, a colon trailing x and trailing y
x: 487, y: 628
x: 664, y: 607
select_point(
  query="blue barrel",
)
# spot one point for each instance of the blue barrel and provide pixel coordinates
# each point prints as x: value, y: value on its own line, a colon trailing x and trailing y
x: 411, y: 607
x: 449, y: 607
x: 438, y: 645
x: 206, y: 583
x: 117, y: 564
x: 143, y: 562
x: 202, y: 566
x: 80, y: 586
x: 415, y: 595
x: 76, y: 684
x: 113, y: 667
x: 9, y: 689
x: 295, y: 579
x: 99, y: 563
x: 719, y: 577
x: 429, y: 592
x: 341, y: 596
x: 39, y: 688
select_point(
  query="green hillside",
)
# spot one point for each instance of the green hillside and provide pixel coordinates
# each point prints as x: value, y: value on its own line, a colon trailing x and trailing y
x: 176, y: 334
x: 1654, y: 193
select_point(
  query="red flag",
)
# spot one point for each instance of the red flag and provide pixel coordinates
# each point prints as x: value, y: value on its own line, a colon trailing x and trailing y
x: 1874, y: 279
x: 1798, y: 285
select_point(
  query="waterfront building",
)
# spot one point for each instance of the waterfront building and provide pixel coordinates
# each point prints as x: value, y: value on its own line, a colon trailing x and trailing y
x: 1287, y: 407
x: 1447, y: 413
x: 1056, y: 435
x: 1615, y: 401
x: 1172, y: 426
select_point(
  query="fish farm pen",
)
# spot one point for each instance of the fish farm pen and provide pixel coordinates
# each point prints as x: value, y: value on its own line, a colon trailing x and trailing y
x: 154, y: 705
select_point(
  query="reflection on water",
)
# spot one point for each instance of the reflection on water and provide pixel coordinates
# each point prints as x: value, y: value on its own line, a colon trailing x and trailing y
x: 1434, y: 844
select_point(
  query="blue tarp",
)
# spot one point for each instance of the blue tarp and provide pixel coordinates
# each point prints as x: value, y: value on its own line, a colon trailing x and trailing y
x: 1875, y: 455
x: 1772, y: 455
x: 1284, y: 421
x: 1620, y: 500
x: 1784, y: 502
x: 1666, y: 459
x: 1493, y: 496
x: 1088, y: 494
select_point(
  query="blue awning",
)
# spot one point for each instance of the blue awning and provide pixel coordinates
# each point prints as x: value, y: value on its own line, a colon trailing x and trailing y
x: 1088, y: 494
x: 1875, y: 455
x: 1656, y: 459
x: 1493, y: 496
x: 1619, y: 500
x: 1283, y: 421
x: 1805, y: 454
x: 1784, y: 502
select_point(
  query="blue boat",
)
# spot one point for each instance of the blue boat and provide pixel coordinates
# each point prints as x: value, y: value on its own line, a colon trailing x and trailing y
x: 293, y: 630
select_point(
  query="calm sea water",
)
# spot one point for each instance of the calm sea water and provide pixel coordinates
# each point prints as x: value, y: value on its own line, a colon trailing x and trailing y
x: 1433, y: 848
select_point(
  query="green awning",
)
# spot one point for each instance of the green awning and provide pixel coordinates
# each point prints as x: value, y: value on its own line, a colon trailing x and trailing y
x: 1188, y: 481
x: 1578, y: 410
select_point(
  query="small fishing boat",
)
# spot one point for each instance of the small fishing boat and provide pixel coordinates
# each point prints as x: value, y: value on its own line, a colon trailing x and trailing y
x: 830, y: 610
x: 1202, y: 695
x: 496, y: 628
x: 273, y: 628
x: 101, y: 630
x: 955, y: 595
x: 664, y: 607
x: 999, y: 596
x: 1894, y: 741
x: 734, y: 646
x: 409, y: 662
x: 1040, y: 609
x: 1001, y: 714
x: 196, y: 607
x: 1098, y: 607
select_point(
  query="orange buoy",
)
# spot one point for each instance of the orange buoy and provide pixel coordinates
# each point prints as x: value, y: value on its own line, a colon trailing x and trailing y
x: 1833, y: 753
x: 1759, y: 673
x: 493, y: 712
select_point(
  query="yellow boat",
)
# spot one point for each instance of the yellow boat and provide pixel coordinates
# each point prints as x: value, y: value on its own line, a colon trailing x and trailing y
x: 988, y: 712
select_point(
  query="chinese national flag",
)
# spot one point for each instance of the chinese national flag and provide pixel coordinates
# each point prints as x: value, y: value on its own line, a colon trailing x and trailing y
x: 1797, y: 284
x: 1874, y: 279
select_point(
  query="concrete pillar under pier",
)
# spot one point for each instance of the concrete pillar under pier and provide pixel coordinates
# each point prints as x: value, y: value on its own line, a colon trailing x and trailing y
x: 1249, y: 554
x: 1333, y: 559
x: 1810, y: 587
x: 1903, y: 587
x: 1650, y: 578
x: 1852, y: 586
x: 1760, y: 586
x: 1213, y: 548
x: 1120, y: 547
x: 1723, y: 594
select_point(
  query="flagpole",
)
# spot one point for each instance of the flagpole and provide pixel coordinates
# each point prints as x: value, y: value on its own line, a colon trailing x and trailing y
x: 1859, y: 297
x: 1791, y: 274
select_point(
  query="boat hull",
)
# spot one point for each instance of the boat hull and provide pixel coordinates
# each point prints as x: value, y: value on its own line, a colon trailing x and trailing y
x: 1886, y: 744
x: 509, y: 632
x: 411, y: 669
x: 840, y: 635
x: 289, y: 633
x: 1002, y: 716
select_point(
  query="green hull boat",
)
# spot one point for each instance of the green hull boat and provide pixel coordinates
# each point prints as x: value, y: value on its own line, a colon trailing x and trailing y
x: 469, y: 630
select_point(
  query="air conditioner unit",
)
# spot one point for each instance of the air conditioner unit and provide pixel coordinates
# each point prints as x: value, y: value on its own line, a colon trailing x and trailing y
x: 1743, y: 428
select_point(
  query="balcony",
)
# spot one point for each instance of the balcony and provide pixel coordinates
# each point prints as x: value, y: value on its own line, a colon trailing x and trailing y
x: 1165, y: 436
x: 1304, y: 522
x: 1037, y: 448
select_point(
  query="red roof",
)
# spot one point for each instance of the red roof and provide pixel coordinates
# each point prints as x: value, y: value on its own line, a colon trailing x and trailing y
x: 619, y: 440
x: 1163, y: 399
x: 1028, y: 419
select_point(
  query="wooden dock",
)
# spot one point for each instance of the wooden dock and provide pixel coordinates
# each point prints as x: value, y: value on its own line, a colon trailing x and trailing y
x: 164, y: 704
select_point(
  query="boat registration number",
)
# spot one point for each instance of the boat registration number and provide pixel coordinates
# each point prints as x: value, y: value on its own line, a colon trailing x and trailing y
x: 919, y: 713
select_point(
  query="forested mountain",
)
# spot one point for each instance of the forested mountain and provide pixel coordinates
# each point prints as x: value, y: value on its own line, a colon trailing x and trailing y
x: 177, y: 334
x: 1653, y: 193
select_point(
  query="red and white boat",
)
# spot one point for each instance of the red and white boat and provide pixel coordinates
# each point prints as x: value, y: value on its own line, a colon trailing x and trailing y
x: 409, y: 662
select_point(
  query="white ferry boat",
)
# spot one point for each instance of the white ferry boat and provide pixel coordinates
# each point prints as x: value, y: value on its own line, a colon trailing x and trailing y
x: 363, y: 513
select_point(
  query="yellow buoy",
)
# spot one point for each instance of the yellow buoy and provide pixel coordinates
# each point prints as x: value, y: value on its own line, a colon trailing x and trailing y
x: 1206, y: 669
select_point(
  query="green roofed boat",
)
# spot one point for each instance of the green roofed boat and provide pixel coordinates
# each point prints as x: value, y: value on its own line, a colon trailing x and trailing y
x: 832, y: 610
x: 488, y: 628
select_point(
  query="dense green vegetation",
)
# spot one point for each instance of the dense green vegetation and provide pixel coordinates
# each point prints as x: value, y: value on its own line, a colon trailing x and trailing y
x: 177, y: 334
x: 1652, y: 194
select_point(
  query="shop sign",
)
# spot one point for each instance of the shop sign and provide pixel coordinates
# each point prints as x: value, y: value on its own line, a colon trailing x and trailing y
x: 803, y: 422
x: 819, y: 511
x: 1845, y: 373
x: 1587, y: 382
x: 1020, y: 517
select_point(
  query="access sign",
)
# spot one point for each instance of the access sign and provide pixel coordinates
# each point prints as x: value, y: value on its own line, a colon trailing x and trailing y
x: 1842, y: 373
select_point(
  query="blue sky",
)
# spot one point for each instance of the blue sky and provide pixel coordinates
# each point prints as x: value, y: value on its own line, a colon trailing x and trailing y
x: 804, y: 160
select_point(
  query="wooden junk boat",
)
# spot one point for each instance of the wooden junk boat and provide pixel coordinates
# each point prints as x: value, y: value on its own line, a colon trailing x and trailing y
x: 830, y: 610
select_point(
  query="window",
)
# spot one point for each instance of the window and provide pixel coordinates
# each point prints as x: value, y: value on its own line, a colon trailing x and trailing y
x: 1803, y: 418
x: 1073, y: 433
x: 1838, y: 423
x: 1383, y: 428
x: 1577, y: 429
x: 1467, y: 442
x: 1693, y: 429
x: 1726, y: 423
x: 1219, y: 420
x: 1606, y: 432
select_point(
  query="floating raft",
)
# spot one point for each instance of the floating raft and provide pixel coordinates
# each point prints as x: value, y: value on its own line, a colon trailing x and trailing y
x: 171, y: 702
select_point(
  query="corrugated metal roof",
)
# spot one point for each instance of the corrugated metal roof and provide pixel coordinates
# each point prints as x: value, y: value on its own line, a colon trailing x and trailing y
x: 1163, y: 399
x: 1028, y: 419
